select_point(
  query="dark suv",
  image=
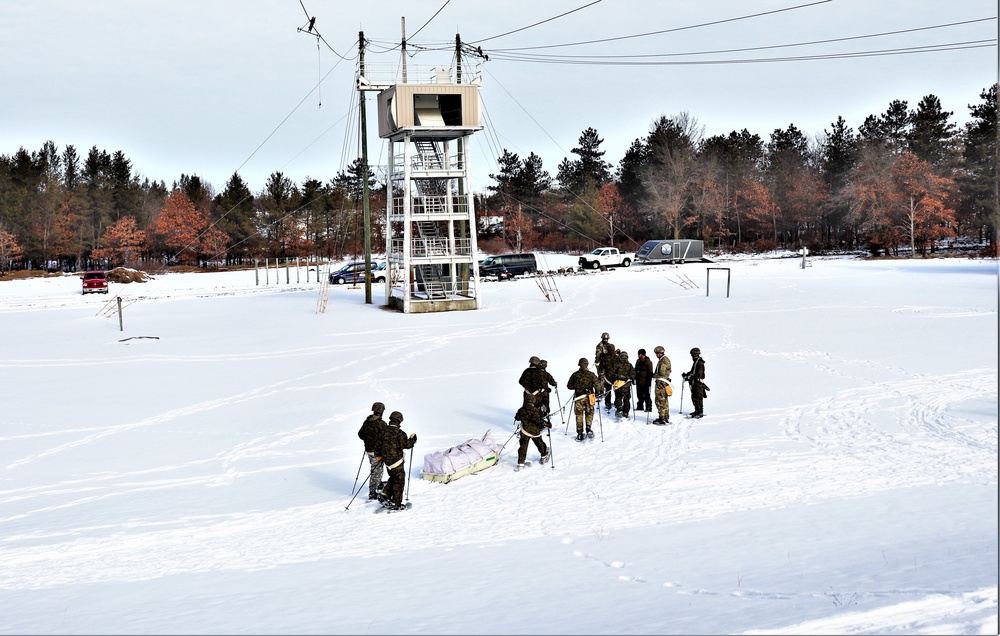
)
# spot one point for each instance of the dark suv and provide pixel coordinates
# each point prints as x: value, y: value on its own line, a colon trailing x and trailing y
x: 508, y: 265
x: 355, y: 273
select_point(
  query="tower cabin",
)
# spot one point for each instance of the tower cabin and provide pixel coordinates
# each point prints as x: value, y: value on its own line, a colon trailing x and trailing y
x: 430, y: 221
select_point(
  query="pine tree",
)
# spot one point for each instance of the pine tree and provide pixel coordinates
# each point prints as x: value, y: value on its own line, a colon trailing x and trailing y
x: 931, y: 134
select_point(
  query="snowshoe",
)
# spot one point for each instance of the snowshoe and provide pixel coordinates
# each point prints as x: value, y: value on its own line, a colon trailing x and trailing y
x: 391, y: 507
x: 590, y: 434
x: 544, y: 459
x: 579, y: 437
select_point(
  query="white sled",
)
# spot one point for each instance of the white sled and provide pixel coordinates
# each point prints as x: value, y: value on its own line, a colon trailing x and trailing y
x: 458, y: 461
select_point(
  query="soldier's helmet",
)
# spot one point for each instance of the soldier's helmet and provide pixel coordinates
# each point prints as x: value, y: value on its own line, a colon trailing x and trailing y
x: 605, y: 336
x: 396, y: 417
x: 584, y: 362
x: 659, y: 349
x: 378, y: 408
x: 543, y: 364
x: 696, y: 351
x: 623, y: 354
x: 533, y: 361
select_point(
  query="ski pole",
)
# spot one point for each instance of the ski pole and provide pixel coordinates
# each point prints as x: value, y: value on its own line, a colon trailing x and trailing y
x: 680, y: 410
x: 359, y: 490
x: 630, y: 400
x: 600, y: 421
x: 572, y: 399
x: 409, y: 478
x: 562, y: 418
x: 552, y: 456
x: 516, y: 431
x: 356, y: 477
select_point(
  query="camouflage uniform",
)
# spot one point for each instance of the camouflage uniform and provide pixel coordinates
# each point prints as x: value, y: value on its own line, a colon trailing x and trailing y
x: 696, y: 378
x: 584, y: 384
x: 534, y: 381
x: 394, y: 442
x: 623, y: 375
x: 531, y: 430
x: 371, y: 434
x: 604, y: 356
x: 662, y: 377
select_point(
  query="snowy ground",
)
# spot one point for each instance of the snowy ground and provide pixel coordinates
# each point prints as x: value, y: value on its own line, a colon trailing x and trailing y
x: 190, y: 474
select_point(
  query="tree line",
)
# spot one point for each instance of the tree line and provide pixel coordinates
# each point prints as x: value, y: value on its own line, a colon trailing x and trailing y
x: 60, y: 211
x: 906, y: 179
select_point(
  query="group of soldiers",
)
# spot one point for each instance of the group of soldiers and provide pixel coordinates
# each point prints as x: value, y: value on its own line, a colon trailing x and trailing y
x: 385, y: 442
x: 384, y: 446
x: 615, y: 376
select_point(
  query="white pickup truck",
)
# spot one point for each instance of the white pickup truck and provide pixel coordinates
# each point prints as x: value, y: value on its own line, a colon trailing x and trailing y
x: 606, y: 257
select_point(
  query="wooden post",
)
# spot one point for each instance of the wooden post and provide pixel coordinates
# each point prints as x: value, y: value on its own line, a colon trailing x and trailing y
x: 267, y: 272
x: 297, y: 270
x: 256, y: 272
x: 121, y: 324
x: 288, y: 278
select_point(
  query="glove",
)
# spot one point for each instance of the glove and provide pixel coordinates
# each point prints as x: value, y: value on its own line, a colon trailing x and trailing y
x: 413, y: 436
x: 378, y: 459
x: 547, y: 424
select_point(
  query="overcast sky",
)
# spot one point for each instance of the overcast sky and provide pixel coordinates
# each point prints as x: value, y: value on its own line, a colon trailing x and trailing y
x: 216, y: 87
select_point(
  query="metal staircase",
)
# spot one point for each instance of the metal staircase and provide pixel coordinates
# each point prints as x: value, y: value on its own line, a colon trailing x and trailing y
x: 429, y: 155
x: 430, y: 276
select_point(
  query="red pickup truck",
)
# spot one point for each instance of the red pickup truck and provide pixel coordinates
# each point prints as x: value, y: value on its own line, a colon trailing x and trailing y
x: 95, y: 282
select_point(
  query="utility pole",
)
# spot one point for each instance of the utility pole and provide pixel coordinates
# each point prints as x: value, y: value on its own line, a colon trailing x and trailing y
x: 462, y: 229
x: 366, y: 205
x: 402, y: 26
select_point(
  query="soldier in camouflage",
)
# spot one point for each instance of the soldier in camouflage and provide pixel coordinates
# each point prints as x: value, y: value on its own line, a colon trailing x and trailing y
x: 696, y: 378
x: 604, y: 355
x: 371, y: 433
x: 394, y: 441
x: 623, y: 375
x: 585, y: 386
x: 535, y: 381
x: 662, y: 377
x: 532, y: 425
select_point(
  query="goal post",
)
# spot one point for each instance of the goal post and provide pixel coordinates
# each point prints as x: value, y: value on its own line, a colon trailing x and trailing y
x: 708, y: 278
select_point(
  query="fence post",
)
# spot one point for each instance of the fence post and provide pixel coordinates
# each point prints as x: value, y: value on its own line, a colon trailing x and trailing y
x: 121, y: 324
x: 256, y: 272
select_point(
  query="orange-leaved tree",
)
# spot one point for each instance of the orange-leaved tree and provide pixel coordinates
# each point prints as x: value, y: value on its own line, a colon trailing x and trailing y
x: 754, y: 208
x: 9, y: 249
x: 610, y: 205
x: 121, y: 243
x: 184, y: 230
x: 926, y: 212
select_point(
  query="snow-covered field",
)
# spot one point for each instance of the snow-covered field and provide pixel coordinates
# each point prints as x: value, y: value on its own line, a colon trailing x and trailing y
x: 191, y: 473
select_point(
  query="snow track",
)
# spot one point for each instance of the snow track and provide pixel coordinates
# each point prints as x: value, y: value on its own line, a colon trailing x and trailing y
x: 228, y: 445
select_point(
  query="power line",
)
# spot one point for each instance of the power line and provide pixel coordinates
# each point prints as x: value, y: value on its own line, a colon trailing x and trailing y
x: 503, y: 52
x: 641, y: 35
x: 931, y: 48
x: 542, y: 22
x: 431, y: 19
